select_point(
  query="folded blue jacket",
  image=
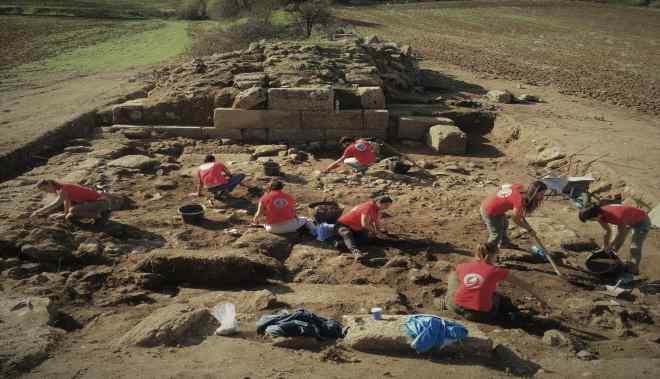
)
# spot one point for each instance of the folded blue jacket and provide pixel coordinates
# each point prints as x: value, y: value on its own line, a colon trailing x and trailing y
x: 429, y: 332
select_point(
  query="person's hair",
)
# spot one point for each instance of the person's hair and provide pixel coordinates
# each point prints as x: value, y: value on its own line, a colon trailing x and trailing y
x: 529, y: 198
x: 209, y: 158
x: 346, y: 140
x: 47, y: 182
x: 589, y: 212
x: 383, y: 200
x: 275, y: 185
x: 483, y: 251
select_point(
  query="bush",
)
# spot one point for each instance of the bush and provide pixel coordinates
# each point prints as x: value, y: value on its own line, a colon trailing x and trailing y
x: 234, y: 37
x: 218, y: 9
x: 312, y: 13
x: 192, y: 10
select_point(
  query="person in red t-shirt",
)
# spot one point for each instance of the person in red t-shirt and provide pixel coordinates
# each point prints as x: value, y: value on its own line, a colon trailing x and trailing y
x: 516, y: 197
x: 625, y: 218
x: 216, y: 178
x: 79, y: 202
x: 358, y: 154
x: 471, y: 287
x: 278, y: 210
x: 359, y: 221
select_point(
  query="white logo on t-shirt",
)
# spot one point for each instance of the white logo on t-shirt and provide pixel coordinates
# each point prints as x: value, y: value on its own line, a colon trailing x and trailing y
x: 473, y: 281
x: 361, y: 146
x: 280, y: 203
x: 505, y: 191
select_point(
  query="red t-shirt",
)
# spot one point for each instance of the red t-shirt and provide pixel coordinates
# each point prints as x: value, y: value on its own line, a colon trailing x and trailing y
x: 278, y: 206
x: 507, y: 198
x: 212, y: 174
x: 477, y: 283
x: 353, y: 219
x: 362, y: 151
x: 618, y: 214
x: 79, y: 194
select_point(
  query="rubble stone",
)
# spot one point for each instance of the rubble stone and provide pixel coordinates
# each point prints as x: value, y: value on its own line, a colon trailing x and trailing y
x: 136, y: 162
x: 447, y: 139
x: 417, y: 127
x: 371, y: 97
x: 252, y: 98
x: 500, y: 96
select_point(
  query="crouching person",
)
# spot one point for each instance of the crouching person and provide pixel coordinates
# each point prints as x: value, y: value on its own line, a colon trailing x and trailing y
x: 79, y: 202
x: 358, y: 154
x: 355, y: 226
x: 625, y: 218
x: 216, y: 178
x: 278, y: 210
x: 471, y: 287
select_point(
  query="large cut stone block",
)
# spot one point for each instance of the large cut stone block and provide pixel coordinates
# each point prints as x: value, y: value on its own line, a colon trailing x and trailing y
x: 255, y: 135
x: 447, y: 139
x: 349, y: 119
x: 371, y: 97
x: 296, y: 135
x: 376, y: 119
x: 129, y: 112
x: 388, y: 336
x: 226, y: 118
x: 416, y: 128
x: 301, y: 99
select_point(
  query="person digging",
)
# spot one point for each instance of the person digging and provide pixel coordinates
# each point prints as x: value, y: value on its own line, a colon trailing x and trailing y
x: 278, y: 210
x: 217, y: 179
x: 358, y: 154
x: 80, y: 203
x: 355, y: 226
x: 625, y: 218
x: 471, y: 286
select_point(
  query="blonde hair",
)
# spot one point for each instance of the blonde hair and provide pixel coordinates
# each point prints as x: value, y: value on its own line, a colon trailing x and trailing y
x: 484, y: 251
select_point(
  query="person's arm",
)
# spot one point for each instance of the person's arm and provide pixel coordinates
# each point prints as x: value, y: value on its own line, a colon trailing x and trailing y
x: 259, y: 214
x: 199, y: 185
x: 607, y: 237
x: 527, y: 287
x: 334, y: 164
x: 519, y: 219
x: 50, y: 208
x: 368, y: 223
x: 67, y: 205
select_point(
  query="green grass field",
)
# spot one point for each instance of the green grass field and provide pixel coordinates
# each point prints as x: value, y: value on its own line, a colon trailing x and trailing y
x: 90, y: 8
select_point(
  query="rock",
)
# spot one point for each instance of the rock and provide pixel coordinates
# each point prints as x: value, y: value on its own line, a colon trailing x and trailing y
x: 224, y: 98
x: 457, y: 169
x: 373, y: 39
x: 23, y: 271
x: 131, y: 298
x: 263, y: 300
x: 268, y: 151
x: 82, y: 284
x: 177, y: 324
x: 253, y: 98
x: 417, y: 127
x: 555, y: 338
x: 136, y: 162
x: 386, y: 336
x: 654, y: 215
x: 269, y: 244
x: 27, y: 338
x: 421, y: 277
x: 250, y: 80
x: 546, y: 156
x: 364, y: 79
x: 525, y: 98
x: 398, y: 262
x: 510, y: 346
x: 130, y: 112
x: 578, y: 243
x: 586, y: 355
x: 447, y: 139
x: 371, y: 97
x: 226, y: 267
x: 165, y: 184
x: 500, y: 96
x: 48, y: 244
x: 136, y: 133
x: 320, y: 99
x: 9, y: 263
x: 77, y: 149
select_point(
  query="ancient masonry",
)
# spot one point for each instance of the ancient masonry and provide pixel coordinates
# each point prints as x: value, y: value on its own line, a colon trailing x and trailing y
x: 292, y: 93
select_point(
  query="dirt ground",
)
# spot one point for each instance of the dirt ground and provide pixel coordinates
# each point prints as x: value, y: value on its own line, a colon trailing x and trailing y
x: 434, y: 224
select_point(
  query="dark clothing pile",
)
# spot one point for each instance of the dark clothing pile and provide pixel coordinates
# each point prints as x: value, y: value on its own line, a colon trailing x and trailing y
x: 300, y: 323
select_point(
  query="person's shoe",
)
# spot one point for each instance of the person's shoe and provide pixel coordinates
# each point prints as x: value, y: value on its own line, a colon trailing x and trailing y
x: 357, y: 254
x: 626, y: 278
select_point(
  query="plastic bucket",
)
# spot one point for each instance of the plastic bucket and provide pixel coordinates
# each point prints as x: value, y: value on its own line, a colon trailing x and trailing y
x: 271, y: 168
x: 602, y: 263
x: 192, y: 213
x: 377, y: 313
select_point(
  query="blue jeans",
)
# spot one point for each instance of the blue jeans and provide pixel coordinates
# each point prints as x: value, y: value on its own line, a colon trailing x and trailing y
x: 234, y: 181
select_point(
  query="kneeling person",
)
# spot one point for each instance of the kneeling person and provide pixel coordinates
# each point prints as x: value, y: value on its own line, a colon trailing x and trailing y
x: 216, y: 178
x: 79, y: 202
x: 359, y: 221
x: 279, y: 211
x: 359, y: 155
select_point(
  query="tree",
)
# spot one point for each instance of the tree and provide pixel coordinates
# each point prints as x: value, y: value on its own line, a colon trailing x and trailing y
x: 311, y: 13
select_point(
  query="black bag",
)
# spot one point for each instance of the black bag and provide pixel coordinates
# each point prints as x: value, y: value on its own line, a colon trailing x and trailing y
x: 326, y: 211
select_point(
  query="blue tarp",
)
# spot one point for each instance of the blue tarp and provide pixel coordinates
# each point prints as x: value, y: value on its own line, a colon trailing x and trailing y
x: 429, y: 332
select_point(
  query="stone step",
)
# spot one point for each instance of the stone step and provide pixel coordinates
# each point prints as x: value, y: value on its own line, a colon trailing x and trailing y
x: 195, y: 132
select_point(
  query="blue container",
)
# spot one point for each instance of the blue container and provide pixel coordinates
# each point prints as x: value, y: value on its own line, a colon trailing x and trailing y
x: 376, y: 313
x: 538, y: 250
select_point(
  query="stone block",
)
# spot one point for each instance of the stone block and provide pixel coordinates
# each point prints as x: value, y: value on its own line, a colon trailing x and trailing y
x: 371, y: 97
x: 376, y: 119
x: 255, y: 135
x: 214, y: 133
x: 225, y: 118
x: 249, y: 79
x: 251, y: 98
x: 447, y: 139
x: 296, y: 135
x: 129, y: 112
x: 348, y: 119
x: 416, y: 128
x: 301, y: 99
x: 387, y: 336
x: 333, y: 135
x: 364, y: 79
x: 194, y: 132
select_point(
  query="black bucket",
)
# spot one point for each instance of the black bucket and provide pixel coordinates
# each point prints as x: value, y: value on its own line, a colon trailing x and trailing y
x: 271, y: 168
x: 192, y: 213
x: 603, y: 263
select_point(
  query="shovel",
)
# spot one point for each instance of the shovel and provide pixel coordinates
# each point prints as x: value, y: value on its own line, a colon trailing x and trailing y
x: 547, y: 255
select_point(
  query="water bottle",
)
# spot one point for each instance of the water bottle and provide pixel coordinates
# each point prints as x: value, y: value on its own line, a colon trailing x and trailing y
x: 538, y: 250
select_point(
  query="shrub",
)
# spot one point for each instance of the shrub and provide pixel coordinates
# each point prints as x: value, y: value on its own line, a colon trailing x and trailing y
x: 192, y: 10
x: 218, y: 9
x: 234, y: 37
x: 312, y: 13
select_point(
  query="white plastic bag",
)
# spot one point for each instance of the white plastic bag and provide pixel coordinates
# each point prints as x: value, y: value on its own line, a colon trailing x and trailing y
x: 226, y: 314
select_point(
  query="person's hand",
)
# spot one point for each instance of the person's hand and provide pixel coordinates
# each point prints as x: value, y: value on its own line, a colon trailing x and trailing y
x: 194, y: 194
x: 57, y: 216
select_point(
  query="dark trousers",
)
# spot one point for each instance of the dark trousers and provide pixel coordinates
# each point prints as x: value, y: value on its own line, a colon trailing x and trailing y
x: 351, y: 237
x: 233, y: 181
